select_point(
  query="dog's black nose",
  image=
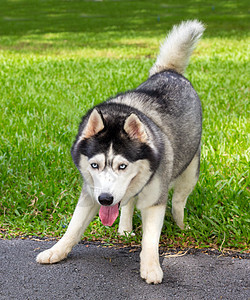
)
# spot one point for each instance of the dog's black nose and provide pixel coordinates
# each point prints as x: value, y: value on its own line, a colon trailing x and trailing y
x: 105, y: 199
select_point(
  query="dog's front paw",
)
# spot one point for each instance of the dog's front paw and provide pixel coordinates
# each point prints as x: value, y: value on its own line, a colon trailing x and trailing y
x: 151, y: 273
x: 51, y: 256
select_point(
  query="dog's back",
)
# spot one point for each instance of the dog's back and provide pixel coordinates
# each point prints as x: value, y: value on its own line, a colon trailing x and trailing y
x: 177, y: 111
x: 169, y: 99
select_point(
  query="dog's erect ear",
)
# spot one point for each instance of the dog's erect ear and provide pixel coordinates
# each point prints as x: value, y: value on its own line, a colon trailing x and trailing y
x: 135, y: 128
x: 94, y: 125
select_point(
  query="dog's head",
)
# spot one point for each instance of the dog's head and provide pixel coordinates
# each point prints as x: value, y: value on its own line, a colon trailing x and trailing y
x: 115, y: 154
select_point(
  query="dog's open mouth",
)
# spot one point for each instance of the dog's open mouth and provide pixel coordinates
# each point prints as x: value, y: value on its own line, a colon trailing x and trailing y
x: 108, y: 214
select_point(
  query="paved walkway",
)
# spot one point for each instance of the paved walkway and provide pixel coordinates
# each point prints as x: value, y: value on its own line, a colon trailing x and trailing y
x: 94, y: 272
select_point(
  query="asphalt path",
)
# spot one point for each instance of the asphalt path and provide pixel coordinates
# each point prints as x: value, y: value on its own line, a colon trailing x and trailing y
x: 94, y: 272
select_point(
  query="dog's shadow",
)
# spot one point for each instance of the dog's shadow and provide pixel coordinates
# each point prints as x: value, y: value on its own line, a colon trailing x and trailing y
x: 98, y: 261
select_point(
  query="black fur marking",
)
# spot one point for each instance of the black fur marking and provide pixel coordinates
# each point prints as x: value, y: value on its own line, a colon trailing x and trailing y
x: 114, y: 134
x: 180, y: 107
x: 168, y: 89
x: 175, y: 101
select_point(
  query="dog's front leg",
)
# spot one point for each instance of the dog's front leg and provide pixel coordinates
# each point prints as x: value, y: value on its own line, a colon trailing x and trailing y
x: 84, y: 212
x: 152, y: 221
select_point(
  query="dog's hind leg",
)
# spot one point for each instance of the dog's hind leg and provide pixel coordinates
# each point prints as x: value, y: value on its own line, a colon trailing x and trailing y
x: 84, y: 212
x: 183, y: 186
x: 126, y: 218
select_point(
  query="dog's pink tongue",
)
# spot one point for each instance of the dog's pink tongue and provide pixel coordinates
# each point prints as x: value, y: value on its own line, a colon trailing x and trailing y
x: 108, y: 214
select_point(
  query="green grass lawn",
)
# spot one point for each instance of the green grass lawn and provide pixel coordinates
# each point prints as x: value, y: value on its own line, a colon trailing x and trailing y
x: 59, y: 58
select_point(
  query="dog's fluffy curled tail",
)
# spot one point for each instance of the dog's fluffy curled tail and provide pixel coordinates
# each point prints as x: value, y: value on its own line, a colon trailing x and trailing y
x: 178, y: 46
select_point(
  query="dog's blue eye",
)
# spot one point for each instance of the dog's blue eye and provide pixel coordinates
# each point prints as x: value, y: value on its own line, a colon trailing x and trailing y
x: 122, y: 167
x: 95, y: 166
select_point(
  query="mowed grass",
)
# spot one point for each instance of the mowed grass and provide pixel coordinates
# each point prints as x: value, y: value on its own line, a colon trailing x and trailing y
x: 59, y: 58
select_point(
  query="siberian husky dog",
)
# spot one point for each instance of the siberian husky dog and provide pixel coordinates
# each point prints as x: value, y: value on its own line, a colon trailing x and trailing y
x: 134, y: 147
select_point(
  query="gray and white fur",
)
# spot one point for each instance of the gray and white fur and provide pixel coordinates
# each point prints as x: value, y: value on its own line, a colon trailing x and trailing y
x: 136, y: 146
